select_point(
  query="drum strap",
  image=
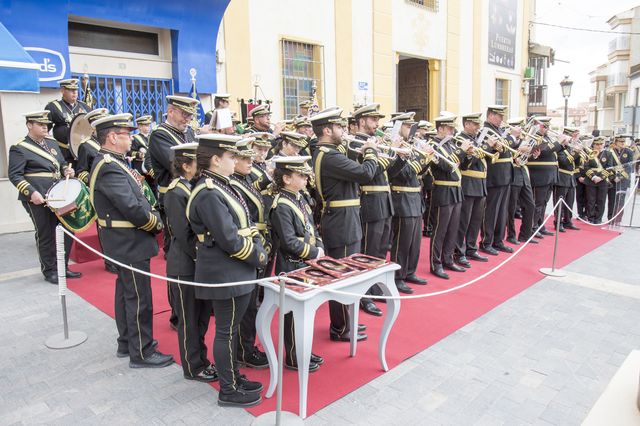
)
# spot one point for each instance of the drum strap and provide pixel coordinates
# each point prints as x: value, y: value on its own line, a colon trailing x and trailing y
x: 39, y: 151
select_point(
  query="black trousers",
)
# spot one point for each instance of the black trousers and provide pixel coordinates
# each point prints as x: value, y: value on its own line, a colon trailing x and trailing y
x: 541, y: 196
x: 569, y: 195
x: 45, y: 222
x: 229, y: 313
x: 581, y: 199
x: 166, y: 243
x: 134, y: 311
x: 471, y: 213
x: 495, y: 216
x: 375, y: 242
x: 338, y: 313
x: 520, y: 196
x: 445, y: 230
x: 405, y: 246
x: 615, y: 202
x: 596, y: 197
x: 429, y: 212
x: 247, y: 329
x: 193, y: 322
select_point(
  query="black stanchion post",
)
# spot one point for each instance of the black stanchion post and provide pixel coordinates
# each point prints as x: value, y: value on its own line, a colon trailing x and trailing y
x: 553, y: 272
x: 66, y: 339
x: 279, y: 417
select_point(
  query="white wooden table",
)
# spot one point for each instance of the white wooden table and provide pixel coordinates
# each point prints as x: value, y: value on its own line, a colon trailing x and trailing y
x: 304, y: 306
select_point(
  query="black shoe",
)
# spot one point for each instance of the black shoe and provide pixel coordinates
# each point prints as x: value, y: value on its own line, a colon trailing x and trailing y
x: 453, y: 267
x: 72, y: 274
x: 473, y: 255
x: 345, y: 337
x: 403, y: 287
x: 512, y: 240
x: 560, y: 229
x: 208, y: 375
x: 369, y: 307
x: 53, y: 279
x: 571, y: 226
x: 256, y: 359
x: 111, y: 268
x: 294, y: 366
x: 439, y: 272
x: 247, y: 385
x: 533, y: 240
x: 414, y: 279
x: 545, y: 232
x: 362, y: 328
x: 155, y: 360
x: 317, y: 359
x: 462, y: 261
x: 239, y: 398
x: 539, y: 235
x: 489, y: 250
x: 501, y: 247
x: 125, y: 353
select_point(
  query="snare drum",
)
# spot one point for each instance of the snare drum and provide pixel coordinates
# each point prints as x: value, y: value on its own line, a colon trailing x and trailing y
x: 69, y: 200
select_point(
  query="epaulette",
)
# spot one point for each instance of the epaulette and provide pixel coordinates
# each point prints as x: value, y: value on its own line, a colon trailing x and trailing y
x: 107, y: 158
x: 209, y: 183
x: 324, y: 149
x: 173, y: 183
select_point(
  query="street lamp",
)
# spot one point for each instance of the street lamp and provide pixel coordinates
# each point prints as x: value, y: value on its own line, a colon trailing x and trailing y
x: 566, y: 84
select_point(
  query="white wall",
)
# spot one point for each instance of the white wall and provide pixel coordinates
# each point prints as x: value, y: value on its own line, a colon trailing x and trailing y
x: 362, y: 64
x: 419, y: 32
x: 299, y: 20
x: 466, y: 72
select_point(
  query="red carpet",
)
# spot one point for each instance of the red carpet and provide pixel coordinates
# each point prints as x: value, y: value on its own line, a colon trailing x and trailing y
x: 437, y: 316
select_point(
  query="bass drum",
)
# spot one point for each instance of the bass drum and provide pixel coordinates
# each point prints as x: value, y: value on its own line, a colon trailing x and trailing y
x: 79, y: 131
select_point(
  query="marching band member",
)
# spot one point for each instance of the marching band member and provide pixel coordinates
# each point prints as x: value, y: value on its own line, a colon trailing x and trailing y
x: 88, y: 149
x: 499, y: 178
x: 260, y: 179
x: 289, y: 144
x: 220, y: 101
x: 595, y: 179
x: 621, y: 159
x: 337, y: 183
x: 62, y: 113
x: 568, y: 165
x: 304, y: 108
x: 140, y: 147
x: 447, y: 197
x: 474, y: 191
x: 229, y: 249
x: 261, y: 117
x: 248, y: 354
x: 193, y: 314
x: 406, y: 224
x: 129, y: 225
x: 295, y: 236
x: 35, y: 164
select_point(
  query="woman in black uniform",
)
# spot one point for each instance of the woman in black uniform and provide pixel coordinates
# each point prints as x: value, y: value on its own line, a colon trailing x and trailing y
x: 228, y: 249
x: 295, y: 236
x: 193, y: 314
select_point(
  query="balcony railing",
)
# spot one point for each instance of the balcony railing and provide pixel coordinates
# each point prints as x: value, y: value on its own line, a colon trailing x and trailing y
x: 619, y: 43
x: 537, y: 95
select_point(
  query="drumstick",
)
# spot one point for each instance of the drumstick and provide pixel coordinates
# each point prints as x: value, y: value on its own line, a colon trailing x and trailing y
x: 66, y: 183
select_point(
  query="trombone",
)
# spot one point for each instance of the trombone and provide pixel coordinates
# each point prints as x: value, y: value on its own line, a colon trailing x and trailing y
x: 476, y: 150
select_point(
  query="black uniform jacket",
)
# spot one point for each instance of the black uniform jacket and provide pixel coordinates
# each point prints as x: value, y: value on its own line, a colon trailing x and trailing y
x: 34, y: 168
x: 127, y: 221
x: 597, y: 166
x: 259, y: 177
x: 61, y: 115
x: 182, y: 251
x: 543, y: 170
x: 406, y: 188
x: 447, y: 181
x: 87, y: 152
x: 568, y: 165
x: 500, y: 171
x: 294, y: 232
x: 474, y: 174
x: 139, y: 152
x: 229, y: 247
x: 160, y: 142
x: 621, y: 161
x: 375, y: 196
x: 337, y: 182
x: 256, y: 206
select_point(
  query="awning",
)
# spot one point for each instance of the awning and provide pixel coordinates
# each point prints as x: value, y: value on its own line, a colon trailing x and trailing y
x: 542, y: 50
x: 18, y: 71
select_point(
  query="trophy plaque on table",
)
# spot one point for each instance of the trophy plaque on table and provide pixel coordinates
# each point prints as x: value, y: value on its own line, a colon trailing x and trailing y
x: 334, y: 267
x: 309, y: 275
x: 366, y: 261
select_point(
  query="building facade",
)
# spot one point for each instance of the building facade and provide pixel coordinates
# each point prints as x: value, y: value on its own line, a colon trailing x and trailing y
x: 408, y: 55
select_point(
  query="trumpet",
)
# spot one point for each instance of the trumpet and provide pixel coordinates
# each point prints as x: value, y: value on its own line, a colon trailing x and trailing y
x: 500, y: 141
x: 384, y: 151
x: 430, y: 156
x: 476, y: 151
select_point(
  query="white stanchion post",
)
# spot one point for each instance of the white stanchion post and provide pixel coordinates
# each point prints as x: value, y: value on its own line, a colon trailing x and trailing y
x: 633, y: 202
x: 279, y: 417
x: 553, y: 272
x: 66, y: 339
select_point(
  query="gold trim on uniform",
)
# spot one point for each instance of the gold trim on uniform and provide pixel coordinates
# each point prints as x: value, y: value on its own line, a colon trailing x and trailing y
x: 405, y: 188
